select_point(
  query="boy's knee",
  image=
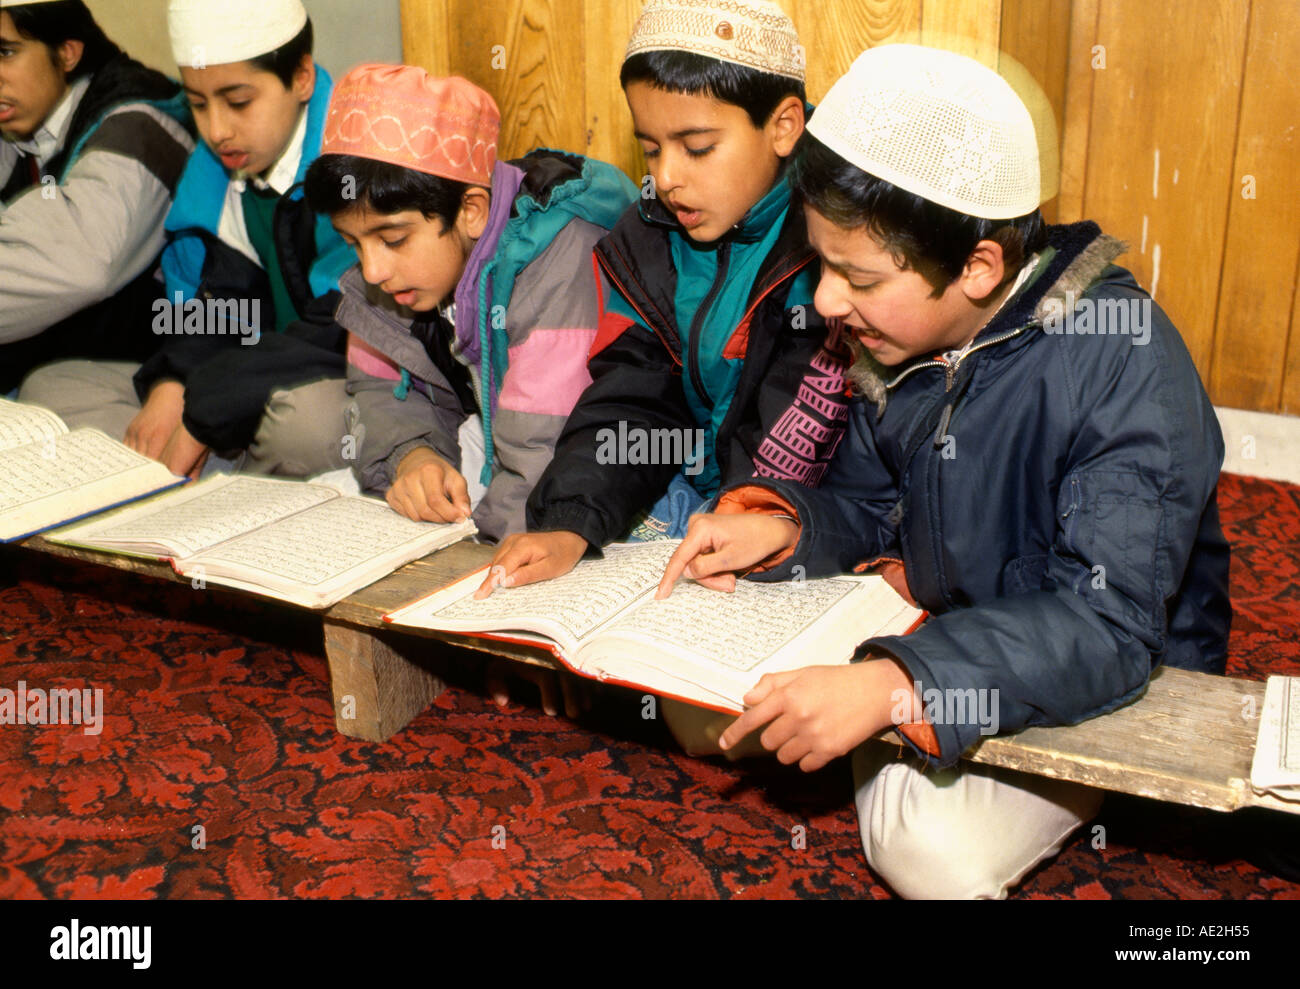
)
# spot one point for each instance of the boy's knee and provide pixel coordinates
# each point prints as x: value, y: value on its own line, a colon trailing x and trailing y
x: 303, y: 432
x: 960, y: 833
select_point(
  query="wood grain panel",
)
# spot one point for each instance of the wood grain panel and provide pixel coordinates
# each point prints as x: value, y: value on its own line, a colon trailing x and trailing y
x: 835, y: 32
x: 1034, y: 34
x: 1255, y: 296
x: 608, y: 26
x: 1166, y: 104
x: 1076, y: 124
x: 971, y: 27
x: 425, y: 36
x: 529, y: 55
x: 1291, y: 383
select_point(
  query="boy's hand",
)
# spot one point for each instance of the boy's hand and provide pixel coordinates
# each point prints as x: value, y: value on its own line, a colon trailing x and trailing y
x: 717, y: 547
x: 183, y: 454
x: 428, y: 489
x: 155, y: 423
x: 528, y: 557
x: 552, y: 684
x: 822, y: 712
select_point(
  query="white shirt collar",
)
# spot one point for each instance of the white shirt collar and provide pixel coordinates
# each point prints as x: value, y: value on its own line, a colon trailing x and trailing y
x: 284, y: 173
x: 48, y: 139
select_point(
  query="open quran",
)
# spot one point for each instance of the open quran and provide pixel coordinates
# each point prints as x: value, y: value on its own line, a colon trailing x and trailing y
x: 701, y: 646
x: 50, y: 476
x: 1276, y: 765
x: 307, y: 544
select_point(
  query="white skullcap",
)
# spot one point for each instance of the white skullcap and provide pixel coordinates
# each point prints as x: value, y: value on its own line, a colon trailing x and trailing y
x: 937, y: 124
x: 218, y: 32
x: 755, y: 33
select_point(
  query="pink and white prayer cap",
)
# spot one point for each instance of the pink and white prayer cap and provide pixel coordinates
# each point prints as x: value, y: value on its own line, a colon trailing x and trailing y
x: 401, y: 115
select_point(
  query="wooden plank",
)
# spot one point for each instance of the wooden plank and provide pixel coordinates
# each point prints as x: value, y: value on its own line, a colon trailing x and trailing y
x: 1263, y: 241
x: 836, y: 32
x: 970, y: 27
x: 425, y: 36
x: 378, y: 684
x: 1034, y: 34
x: 1076, y: 122
x: 1291, y: 384
x: 1166, y: 103
x: 529, y: 55
x: 607, y: 27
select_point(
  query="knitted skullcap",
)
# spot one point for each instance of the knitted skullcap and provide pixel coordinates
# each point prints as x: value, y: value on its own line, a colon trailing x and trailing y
x: 218, y: 32
x: 937, y: 124
x: 754, y: 33
x: 401, y: 115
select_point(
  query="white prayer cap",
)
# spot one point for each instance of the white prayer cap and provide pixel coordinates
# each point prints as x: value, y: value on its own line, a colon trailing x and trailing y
x: 937, y: 124
x: 757, y: 34
x: 218, y: 32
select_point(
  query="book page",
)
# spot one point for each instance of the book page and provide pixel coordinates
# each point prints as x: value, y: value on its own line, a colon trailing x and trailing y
x: 1276, y: 764
x: 739, y: 630
x: 201, y: 516
x: 30, y: 474
x: 23, y: 424
x: 576, y: 604
x: 317, y: 545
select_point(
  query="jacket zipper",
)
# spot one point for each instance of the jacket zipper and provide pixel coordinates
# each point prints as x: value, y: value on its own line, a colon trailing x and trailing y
x: 951, y: 367
x: 697, y: 380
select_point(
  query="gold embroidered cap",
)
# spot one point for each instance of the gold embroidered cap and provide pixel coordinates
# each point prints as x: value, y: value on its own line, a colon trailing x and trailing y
x: 757, y: 34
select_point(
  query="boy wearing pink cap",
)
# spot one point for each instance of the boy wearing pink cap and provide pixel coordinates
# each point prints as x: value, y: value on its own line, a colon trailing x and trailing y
x: 473, y: 306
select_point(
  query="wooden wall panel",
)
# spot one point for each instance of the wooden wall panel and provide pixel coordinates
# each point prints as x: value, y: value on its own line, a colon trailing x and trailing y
x: 972, y: 27
x: 1036, y: 35
x: 529, y: 55
x: 425, y: 32
x: 1255, y: 296
x: 609, y: 137
x: 1161, y: 147
x: 836, y: 32
x: 1291, y: 384
x: 1076, y: 123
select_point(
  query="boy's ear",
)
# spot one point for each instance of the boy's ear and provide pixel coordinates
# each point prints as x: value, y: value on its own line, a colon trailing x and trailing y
x: 475, y: 204
x: 786, y: 125
x: 304, y: 79
x: 984, y: 272
x: 69, y: 55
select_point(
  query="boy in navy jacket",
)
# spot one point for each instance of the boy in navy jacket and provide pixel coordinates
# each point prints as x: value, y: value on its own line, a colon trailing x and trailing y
x: 1033, y: 460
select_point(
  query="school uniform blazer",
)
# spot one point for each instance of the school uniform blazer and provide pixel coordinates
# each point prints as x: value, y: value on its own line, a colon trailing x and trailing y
x: 1051, y: 495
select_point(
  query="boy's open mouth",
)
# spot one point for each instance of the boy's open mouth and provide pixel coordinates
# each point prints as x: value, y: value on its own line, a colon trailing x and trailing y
x: 7, y: 112
x: 234, y: 160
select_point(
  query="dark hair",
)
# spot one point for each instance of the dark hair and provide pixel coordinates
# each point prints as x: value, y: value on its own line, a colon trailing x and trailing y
x: 930, y: 239
x: 284, y: 61
x: 757, y: 93
x: 338, y: 183
x: 70, y: 20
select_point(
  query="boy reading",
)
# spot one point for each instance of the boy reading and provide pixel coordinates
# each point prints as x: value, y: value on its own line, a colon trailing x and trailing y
x: 1032, y: 456
x: 92, y: 144
x: 709, y: 365
x: 473, y: 306
x: 251, y: 273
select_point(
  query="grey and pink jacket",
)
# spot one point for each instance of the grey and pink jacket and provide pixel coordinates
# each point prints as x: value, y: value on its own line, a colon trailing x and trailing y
x: 514, y: 349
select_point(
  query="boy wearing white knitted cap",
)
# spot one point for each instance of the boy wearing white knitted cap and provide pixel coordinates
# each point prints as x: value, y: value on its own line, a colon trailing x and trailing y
x: 708, y: 336
x: 251, y: 273
x: 1032, y: 458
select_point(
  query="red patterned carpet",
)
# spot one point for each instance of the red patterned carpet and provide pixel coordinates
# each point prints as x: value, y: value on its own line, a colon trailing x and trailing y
x: 219, y: 718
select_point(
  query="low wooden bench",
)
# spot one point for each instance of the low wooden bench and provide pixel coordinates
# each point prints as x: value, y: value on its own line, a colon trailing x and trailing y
x: 1189, y: 739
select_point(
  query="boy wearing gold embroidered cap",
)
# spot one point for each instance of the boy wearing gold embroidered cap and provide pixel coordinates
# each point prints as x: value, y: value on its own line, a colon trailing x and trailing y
x: 251, y: 272
x: 708, y: 329
x: 1033, y: 460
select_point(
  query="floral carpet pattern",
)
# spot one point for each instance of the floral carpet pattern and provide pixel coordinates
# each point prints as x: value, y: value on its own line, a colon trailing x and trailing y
x: 218, y: 773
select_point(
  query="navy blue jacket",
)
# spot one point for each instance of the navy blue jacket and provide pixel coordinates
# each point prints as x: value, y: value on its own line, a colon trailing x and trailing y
x: 1052, y: 496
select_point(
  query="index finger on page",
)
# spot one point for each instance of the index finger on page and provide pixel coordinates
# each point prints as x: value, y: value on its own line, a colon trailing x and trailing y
x: 754, y: 717
x: 682, y: 557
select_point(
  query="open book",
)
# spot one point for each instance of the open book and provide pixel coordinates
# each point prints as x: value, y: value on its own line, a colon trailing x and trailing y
x: 50, y: 476
x: 302, y: 543
x: 1276, y: 766
x: 699, y: 645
